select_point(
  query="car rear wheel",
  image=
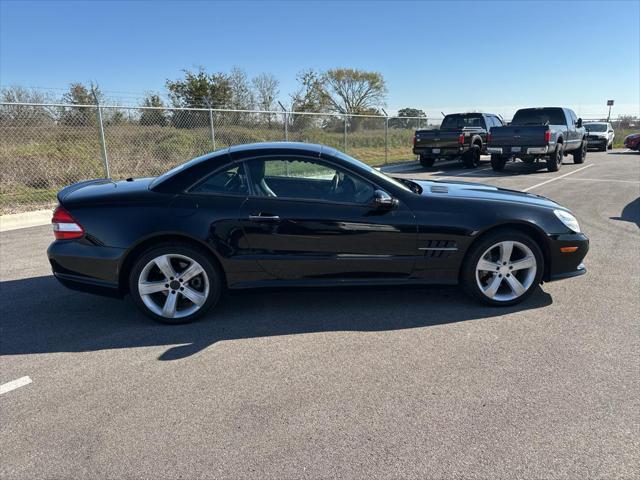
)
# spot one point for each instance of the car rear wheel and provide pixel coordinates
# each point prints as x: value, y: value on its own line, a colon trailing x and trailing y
x: 580, y: 154
x: 471, y: 157
x: 554, y: 161
x: 503, y: 268
x: 426, y: 162
x: 498, y: 162
x: 175, y: 283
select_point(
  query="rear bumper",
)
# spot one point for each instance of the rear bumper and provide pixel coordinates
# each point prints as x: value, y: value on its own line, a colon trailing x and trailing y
x: 519, y: 150
x: 439, y: 152
x: 566, y: 264
x: 86, y: 267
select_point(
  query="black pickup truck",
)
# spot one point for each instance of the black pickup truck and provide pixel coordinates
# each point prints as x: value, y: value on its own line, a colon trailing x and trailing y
x: 460, y: 135
x: 548, y: 133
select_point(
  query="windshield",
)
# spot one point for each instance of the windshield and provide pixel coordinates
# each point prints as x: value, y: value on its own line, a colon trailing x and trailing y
x: 596, y: 127
x: 460, y: 121
x: 373, y: 171
x: 539, y: 116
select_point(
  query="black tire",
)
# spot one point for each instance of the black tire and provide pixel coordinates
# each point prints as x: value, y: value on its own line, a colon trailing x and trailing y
x: 427, y: 162
x: 554, y: 161
x: 580, y: 155
x: 471, y: 158
x: 498, y: 162
x: 468, y: 272
x: 211, y: 270
x: 610, y: 146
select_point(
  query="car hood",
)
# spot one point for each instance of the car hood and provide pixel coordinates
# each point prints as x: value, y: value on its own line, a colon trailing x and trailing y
x: 480, y: 191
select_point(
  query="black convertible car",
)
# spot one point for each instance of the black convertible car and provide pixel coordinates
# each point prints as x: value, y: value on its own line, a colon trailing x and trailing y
x: 289, y: 214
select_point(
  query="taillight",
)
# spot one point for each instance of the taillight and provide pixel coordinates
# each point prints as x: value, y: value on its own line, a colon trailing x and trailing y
x: 461, y: 139
x: 65, y: 226
x: 489, y: 137
x: 547, y: 136
x: 414, y: 140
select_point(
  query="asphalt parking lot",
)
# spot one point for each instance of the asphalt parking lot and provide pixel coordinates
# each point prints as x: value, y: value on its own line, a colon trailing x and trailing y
x: 349, y: 383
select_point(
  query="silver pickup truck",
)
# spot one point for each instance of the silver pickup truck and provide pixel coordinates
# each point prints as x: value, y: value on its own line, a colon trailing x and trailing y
x: 548, y: 133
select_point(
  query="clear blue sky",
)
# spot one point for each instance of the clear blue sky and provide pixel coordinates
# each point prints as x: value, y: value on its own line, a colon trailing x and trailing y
x: 449, y: 56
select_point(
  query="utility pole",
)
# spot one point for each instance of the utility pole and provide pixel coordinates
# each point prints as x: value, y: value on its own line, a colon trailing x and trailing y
x: 609, y: 104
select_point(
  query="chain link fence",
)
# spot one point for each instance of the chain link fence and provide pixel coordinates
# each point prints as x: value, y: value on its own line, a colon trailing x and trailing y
x: 44, y: 147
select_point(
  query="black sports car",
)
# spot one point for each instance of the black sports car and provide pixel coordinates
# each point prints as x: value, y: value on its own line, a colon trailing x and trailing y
x: 291, y: 214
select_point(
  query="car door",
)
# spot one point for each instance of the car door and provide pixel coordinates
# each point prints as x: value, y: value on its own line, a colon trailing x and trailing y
x: 212, y: 209
x: 310, y: 219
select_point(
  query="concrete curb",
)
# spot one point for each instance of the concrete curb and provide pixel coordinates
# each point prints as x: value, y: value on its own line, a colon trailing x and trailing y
x: 25, y: 220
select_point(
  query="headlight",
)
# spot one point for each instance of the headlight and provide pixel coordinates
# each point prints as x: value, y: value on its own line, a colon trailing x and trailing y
x: 568, y: 219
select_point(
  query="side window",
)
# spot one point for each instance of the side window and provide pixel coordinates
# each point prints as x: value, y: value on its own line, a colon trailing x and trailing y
x: 306, y: 179
x: 231, y: 180
x: 497, y: 122
x: 574, y: 119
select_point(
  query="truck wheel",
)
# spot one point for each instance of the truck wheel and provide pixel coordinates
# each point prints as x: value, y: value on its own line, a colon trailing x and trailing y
x: 555, y: 159
x: 426, y: 162
x: 580, y: 154
x: 498, y: 162
x: 471, y: 158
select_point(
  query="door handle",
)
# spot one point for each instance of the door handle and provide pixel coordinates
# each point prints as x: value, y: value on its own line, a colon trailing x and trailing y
x: 262, y: 217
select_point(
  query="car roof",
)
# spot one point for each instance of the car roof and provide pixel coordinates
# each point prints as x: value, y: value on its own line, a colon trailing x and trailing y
x: 260, y: 146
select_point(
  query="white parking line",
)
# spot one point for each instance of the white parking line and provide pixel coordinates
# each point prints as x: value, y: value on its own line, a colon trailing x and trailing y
x: 468, y: 172
x: 556, y: 178
x: 20, y: 382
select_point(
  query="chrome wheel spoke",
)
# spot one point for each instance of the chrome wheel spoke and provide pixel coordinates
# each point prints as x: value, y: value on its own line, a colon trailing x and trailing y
x: 147, y: 288
x: 194, y: 270
x: 487, y: 266
x: 493, y: 287
x: 196, y: 297
x: 517, y: 288
x: 170, y: 306
x: 506, y: 248
x: 527, y: 262
x: 164, y: 264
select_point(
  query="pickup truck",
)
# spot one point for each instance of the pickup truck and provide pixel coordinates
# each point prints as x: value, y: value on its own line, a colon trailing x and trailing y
x: 460, y: 135
x: 548, y: 133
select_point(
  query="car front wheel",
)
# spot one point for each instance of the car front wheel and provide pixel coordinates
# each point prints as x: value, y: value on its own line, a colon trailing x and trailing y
x: 503, y: 268
x: 175, y: 283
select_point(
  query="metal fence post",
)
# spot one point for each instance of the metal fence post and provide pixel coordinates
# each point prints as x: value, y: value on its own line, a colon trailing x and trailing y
x: 213, y: 130
x: 286, y: 126
x: 345, y: 134
x: 103, y: 143
x: 386, y: 140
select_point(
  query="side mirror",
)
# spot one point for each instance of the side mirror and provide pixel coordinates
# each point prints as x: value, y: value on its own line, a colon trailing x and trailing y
x: 579, y: 123
x: 383, y: 201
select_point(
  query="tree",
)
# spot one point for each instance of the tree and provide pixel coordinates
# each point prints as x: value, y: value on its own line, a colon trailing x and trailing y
x: 79, y: 94
x: 198, y: 90
x: 402, y: 122
x: 310, y: 96
x: 353, y: 91
x: 24, y: 115
x: 152, y: 116
x: 241, y: 94
x: 266, y: 90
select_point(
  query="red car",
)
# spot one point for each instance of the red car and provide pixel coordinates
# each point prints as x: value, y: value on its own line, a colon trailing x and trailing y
x: 632, y: 142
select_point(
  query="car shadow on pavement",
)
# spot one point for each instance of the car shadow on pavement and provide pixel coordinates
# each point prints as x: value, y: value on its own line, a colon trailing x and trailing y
x: 630, y: 212
x: 41, y: 316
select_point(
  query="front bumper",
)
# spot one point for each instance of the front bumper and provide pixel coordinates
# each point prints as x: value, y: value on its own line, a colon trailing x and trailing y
x: 566, y: 264
x: 80, y: 265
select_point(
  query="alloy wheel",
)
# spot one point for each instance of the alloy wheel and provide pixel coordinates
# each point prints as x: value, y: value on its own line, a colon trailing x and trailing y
x: 173, y: 286
x: 506, y: 271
